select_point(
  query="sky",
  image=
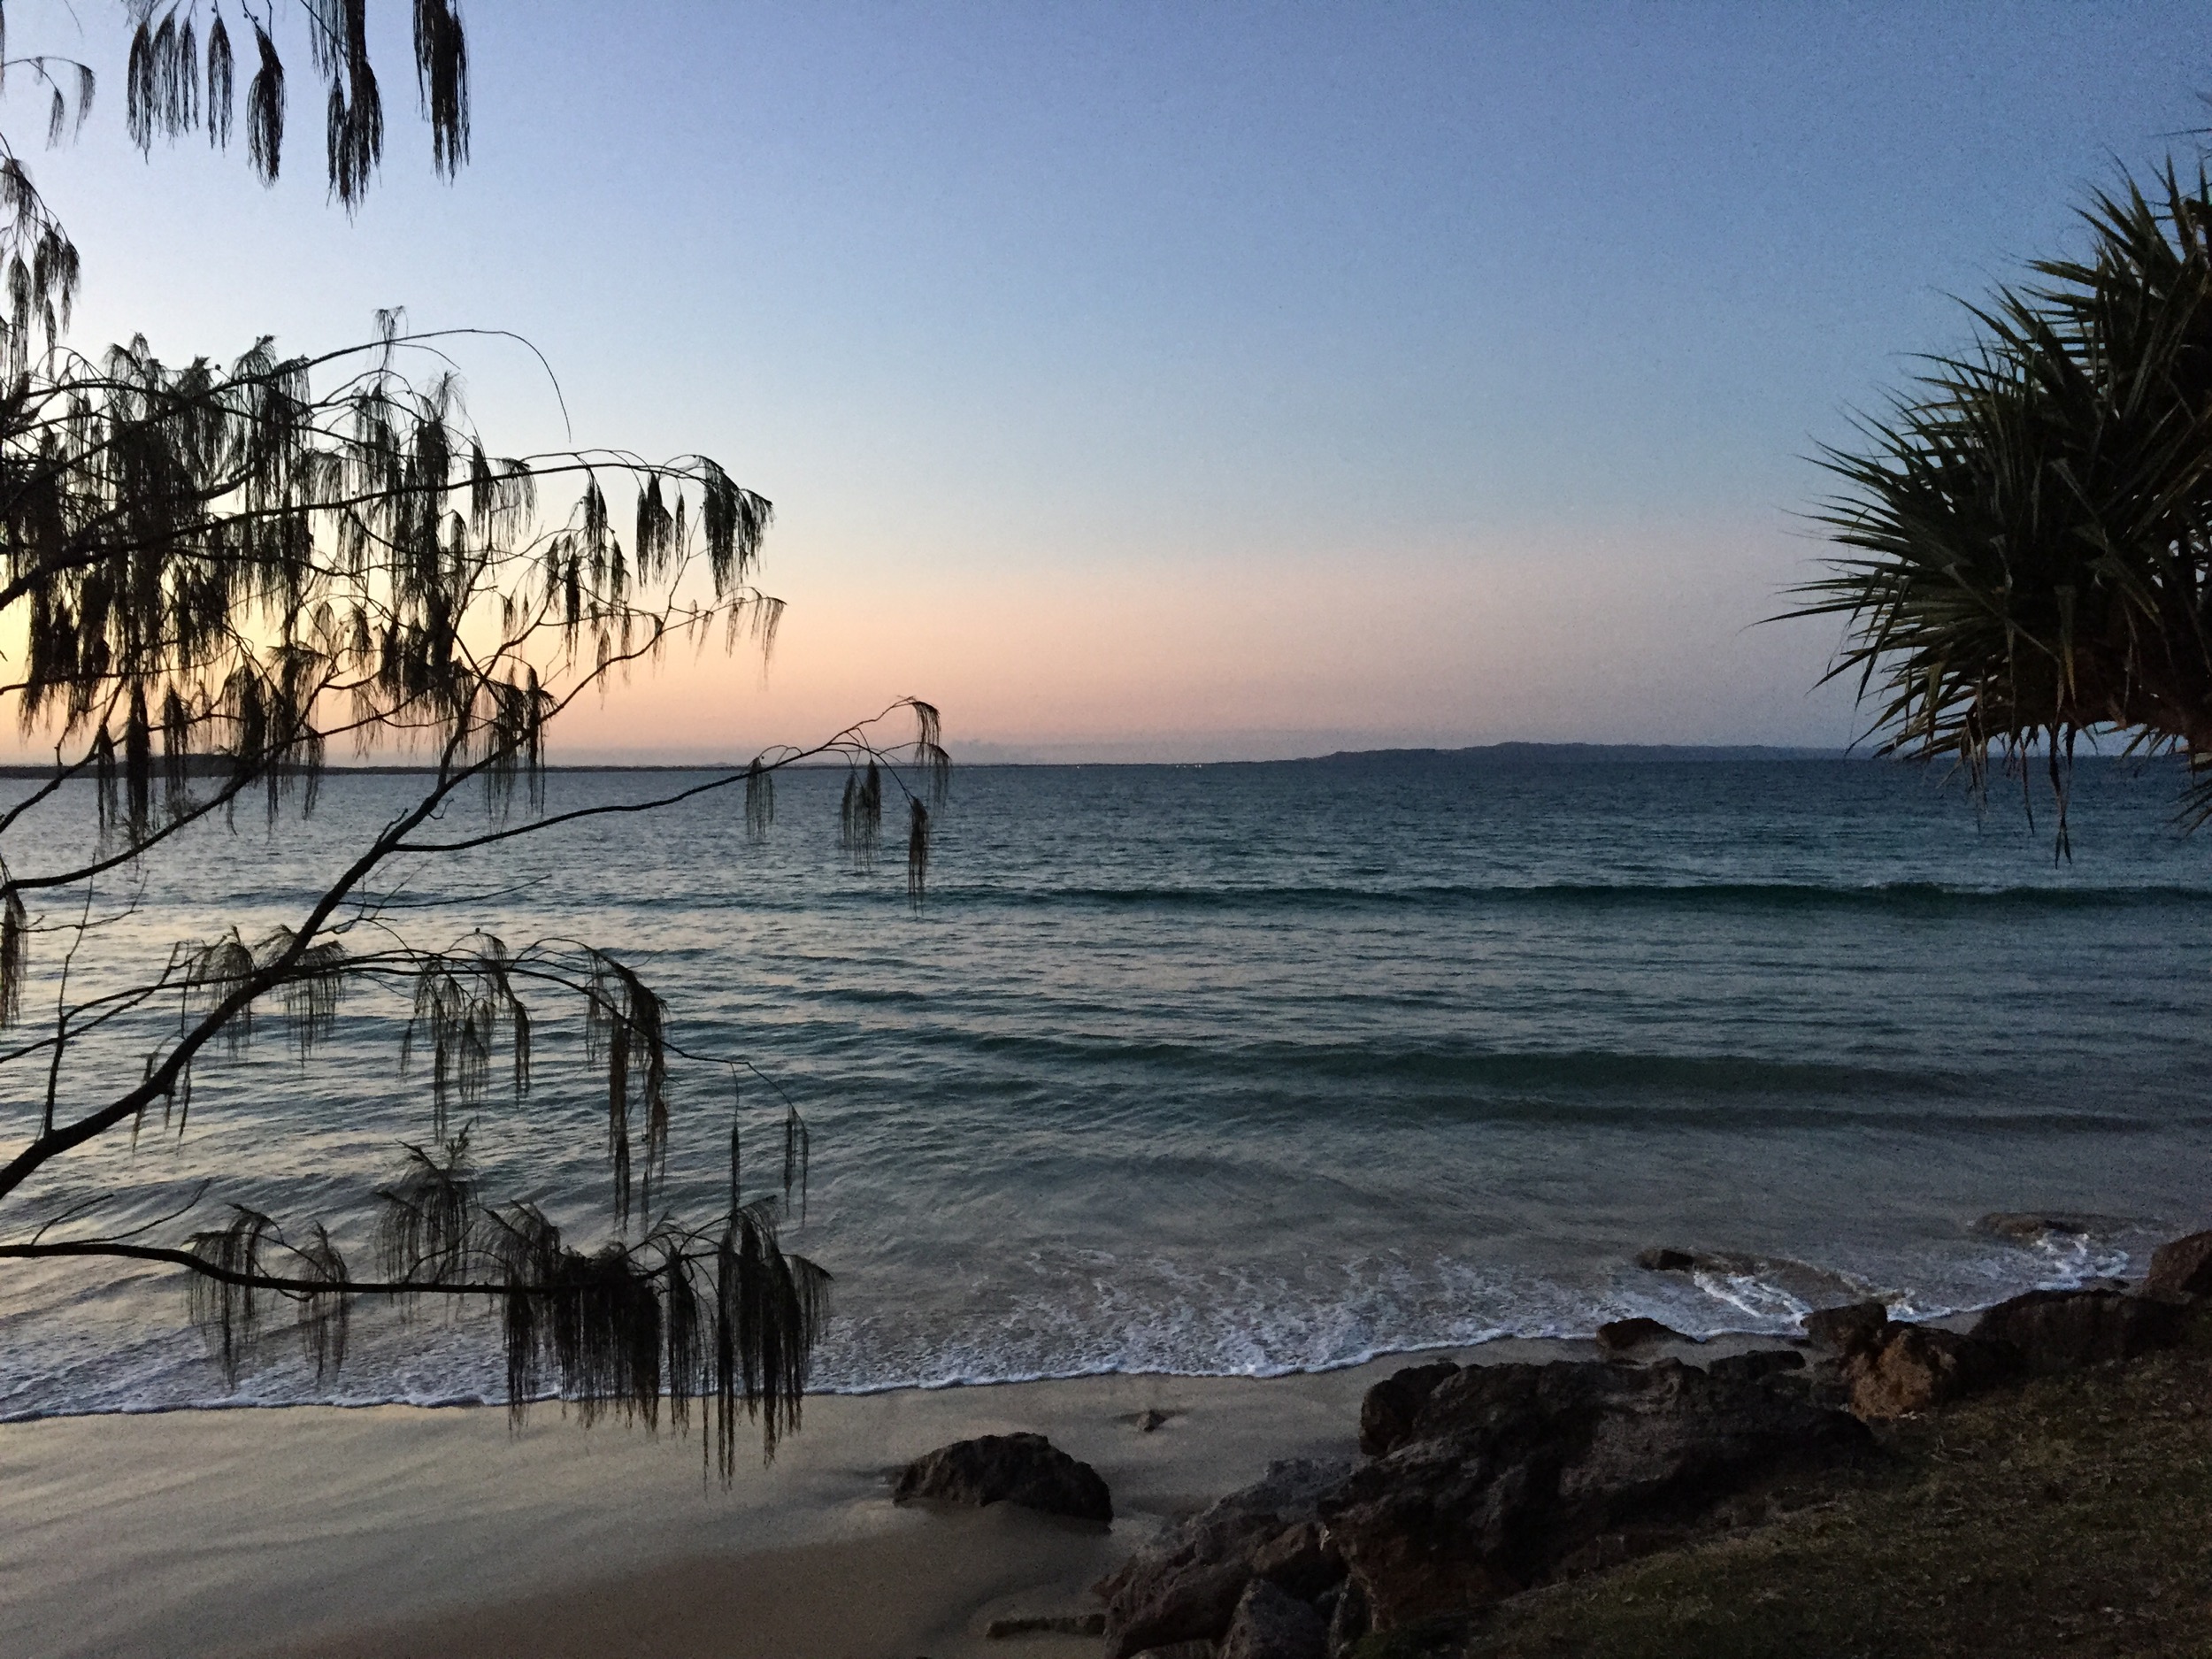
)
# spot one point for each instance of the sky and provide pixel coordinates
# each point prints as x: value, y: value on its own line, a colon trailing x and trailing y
x: 1187, y: 381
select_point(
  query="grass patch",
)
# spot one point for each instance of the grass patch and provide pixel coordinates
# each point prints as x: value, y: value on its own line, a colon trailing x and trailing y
x: 2071, y: 1515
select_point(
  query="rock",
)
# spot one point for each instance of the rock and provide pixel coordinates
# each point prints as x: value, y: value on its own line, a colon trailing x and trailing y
x: 2061, y: 1330
x: 1272, y: 1623
x: 1194, y: 1602
x: 1821, y: 1383
x: 2026, y: 1227
x: 2032, y: 1225
x: 1621, y: 1336
x: 1515, y: 1474
x: 1302, y: 1561
x: 1047, y: 1624
x: 1756, y: 1366
x: 1662, y: 1259
x: 1914, y: 1367
x: 1024, y: 1469
x: 2181, y: 1268
x: 1385, y: 1416
x: 1179, y: 1650
x: 1849, y: 1329
x: 1150, y: 1418
x: 1186, y: 1586
x: 1347, y: 1619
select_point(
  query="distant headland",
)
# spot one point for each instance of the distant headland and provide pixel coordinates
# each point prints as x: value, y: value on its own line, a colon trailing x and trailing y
x: 1552, y: 754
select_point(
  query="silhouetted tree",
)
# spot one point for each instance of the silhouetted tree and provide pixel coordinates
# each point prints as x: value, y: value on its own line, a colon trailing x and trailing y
x: 181, y: 78
x: 209, y: 574
x: 2032, y: 520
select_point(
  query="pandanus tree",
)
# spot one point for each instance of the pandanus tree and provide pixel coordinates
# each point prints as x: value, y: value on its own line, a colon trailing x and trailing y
x: 213, y: 579
x: 2030, y: 526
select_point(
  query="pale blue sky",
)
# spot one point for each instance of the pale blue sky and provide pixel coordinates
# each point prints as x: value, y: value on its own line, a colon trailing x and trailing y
x: 1194, y: 379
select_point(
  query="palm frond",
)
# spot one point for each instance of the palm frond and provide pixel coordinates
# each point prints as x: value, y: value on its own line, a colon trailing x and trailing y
x: 2027, y: 529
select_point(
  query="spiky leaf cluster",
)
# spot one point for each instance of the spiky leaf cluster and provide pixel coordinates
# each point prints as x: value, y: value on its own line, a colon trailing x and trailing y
x: 2031, y: 524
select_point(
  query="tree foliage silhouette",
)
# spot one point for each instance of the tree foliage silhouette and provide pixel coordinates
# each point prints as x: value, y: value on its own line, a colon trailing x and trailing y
x: 209, y: 575
x: 2031, y: 523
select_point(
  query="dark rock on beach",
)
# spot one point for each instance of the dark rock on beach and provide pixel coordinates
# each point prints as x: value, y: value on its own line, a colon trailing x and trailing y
x: 1517, y: 1474
x: 1625, y: 1336
x: 1300, y: 1560
x: 1850, y: 1329
x: 1912, y: 1368
x: 2182, y: 1268
x: 2027, y: 1227
x: 2062, y: 1330
x: 1385, y: 1416
x: 1272, y: 1623
x: 1024, y: 1469
x: 1760, y: 1365
x: 1047, y: 1624
x: 1188, y: 1588
x: 1194, y: 1602
x: 1484, y: 1481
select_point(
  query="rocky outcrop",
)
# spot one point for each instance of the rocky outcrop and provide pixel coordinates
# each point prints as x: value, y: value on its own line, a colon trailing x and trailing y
x: 1271, y: 1624
x: 1024, y: 1469
x: 2062, y: 1330
x: 1486, y: 1480
x: 1515, y: 1474
x: 1188, y: 1587
x: 1894, y: 1371
x: 1625, y: 1336
x: 2031, y: 1226
x: 1300, y: 1560
x: 1850, y: 1329
x: 1662, y: 1258
x: 2182, y: 1268
x: 1386, y: 1415
x: 1760, y: 1365
x: 1912, y: 1368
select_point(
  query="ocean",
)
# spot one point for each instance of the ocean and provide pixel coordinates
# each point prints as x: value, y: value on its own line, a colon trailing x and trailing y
x: 1234, y: 1069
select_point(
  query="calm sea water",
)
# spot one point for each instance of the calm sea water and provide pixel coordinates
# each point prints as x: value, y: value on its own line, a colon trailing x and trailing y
x: 1249, y: 1069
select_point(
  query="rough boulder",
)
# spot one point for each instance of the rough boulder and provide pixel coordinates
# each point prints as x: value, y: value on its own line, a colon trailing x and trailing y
x: 1625, y: 1336
x: 1024, y: 1469
x: 1515, y: 1474
x: 1911, y: 1368
x: 2182, y: 1268
x: 1386, y: 1415
x: 1272, y: 1623
x: 2064, y: 1330
x: 1189, y: 1587
x: 1849, y: 1330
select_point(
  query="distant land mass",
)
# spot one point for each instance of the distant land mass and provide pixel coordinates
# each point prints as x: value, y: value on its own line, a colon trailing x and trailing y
x: 1479, y: 755
x: 1552, y: 754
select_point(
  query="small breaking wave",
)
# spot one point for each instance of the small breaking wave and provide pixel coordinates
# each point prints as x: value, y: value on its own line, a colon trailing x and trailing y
x: 1087, y: 1314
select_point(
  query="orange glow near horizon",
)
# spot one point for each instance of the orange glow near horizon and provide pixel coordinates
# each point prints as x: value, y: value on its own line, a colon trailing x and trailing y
x: 1619, y: 635
x: 1613, y: 634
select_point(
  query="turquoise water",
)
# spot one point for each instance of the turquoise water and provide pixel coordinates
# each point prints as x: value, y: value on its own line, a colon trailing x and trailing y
x: 1251, y: 1069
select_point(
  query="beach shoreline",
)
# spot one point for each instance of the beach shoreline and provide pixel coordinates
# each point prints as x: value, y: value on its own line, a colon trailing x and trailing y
x: 371, y: 1532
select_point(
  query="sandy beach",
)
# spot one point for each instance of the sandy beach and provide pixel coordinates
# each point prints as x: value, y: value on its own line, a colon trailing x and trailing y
x: 387, y: 1532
